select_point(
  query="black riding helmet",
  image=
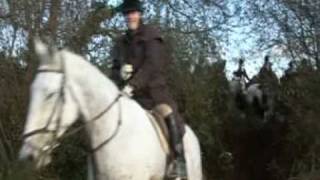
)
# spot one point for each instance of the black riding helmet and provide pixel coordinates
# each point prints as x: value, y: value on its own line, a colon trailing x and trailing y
x: 266, y: 59
x: 241, y: 61
x: 130, y: 5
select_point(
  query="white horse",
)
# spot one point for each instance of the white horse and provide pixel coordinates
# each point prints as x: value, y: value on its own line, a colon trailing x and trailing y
x: 255, y: 95
x: 237, y: 85
x: 124, y: 142
x: 252, y: 95
x: 254, y: 92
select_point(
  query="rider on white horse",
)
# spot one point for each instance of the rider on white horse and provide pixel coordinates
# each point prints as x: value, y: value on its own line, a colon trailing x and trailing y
x: 139, y: 64
x: 267, y: 78
x: 241, y: 75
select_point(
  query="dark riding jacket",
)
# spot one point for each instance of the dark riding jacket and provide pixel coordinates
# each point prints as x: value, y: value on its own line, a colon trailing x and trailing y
x: 146, y: 51
x: 241, y: 73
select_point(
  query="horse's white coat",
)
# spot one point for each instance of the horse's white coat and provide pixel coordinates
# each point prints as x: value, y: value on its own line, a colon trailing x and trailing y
x: 134, y: 153
x: 251, y: 93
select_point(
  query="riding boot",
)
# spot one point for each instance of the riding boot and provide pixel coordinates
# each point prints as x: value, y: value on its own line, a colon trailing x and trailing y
x: 178, y: 169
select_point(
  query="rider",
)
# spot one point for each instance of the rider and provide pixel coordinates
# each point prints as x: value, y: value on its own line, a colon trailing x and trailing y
x: 267, y: 65
x: 241, y: 75
x: 266, y: 74
x: 269, y: 85
x: 139, y: 64
x: 291, y: 69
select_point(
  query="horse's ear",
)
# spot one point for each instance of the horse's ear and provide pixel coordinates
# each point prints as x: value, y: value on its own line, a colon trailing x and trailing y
x: 43, y: 52
x: 41, y: 49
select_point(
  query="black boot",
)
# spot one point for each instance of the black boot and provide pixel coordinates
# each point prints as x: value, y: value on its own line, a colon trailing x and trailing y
x: 177, y: 169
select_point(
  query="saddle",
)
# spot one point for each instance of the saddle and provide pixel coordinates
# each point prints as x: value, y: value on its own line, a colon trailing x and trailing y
x: 158, y: 122
x: 159, y: 125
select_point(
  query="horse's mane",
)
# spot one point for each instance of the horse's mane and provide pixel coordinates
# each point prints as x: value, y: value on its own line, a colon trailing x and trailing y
x: 74, y: 67
x: 79, y: 65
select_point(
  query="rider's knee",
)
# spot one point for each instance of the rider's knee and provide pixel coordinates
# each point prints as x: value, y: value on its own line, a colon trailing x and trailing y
x: 163, y: 110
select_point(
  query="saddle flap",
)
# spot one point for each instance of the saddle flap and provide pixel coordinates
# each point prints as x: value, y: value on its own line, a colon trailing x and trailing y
x: 161, y: 129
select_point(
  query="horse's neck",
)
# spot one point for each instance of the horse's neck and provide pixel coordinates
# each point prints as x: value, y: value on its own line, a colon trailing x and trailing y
x: 95, y: 93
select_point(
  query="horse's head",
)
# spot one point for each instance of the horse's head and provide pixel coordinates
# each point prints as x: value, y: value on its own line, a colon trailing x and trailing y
x: 52, y: 107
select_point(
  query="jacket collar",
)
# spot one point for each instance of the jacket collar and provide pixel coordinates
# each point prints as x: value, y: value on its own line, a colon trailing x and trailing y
x: 129, y: 36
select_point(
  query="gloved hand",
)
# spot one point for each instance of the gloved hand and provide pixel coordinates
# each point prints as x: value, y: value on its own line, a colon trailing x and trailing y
x: 128, y: 90
x: 126, y: 71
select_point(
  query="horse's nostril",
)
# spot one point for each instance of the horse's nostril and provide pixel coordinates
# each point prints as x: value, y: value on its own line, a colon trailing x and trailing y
x: 30, y: 157
x: 27, y: 157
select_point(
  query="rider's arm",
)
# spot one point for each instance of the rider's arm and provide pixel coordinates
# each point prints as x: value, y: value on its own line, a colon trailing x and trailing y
x: 153, y: 63
x: 116, y: 64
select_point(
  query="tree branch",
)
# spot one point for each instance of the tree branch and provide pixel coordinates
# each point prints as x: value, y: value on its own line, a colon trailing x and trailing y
x: 91, y: 27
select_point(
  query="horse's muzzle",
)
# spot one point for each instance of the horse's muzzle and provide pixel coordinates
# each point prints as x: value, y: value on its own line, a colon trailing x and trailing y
x: 29, y: 155
x: 26, y: 154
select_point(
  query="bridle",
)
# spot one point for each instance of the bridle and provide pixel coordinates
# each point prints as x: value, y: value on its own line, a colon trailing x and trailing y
x: 60, y: 101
